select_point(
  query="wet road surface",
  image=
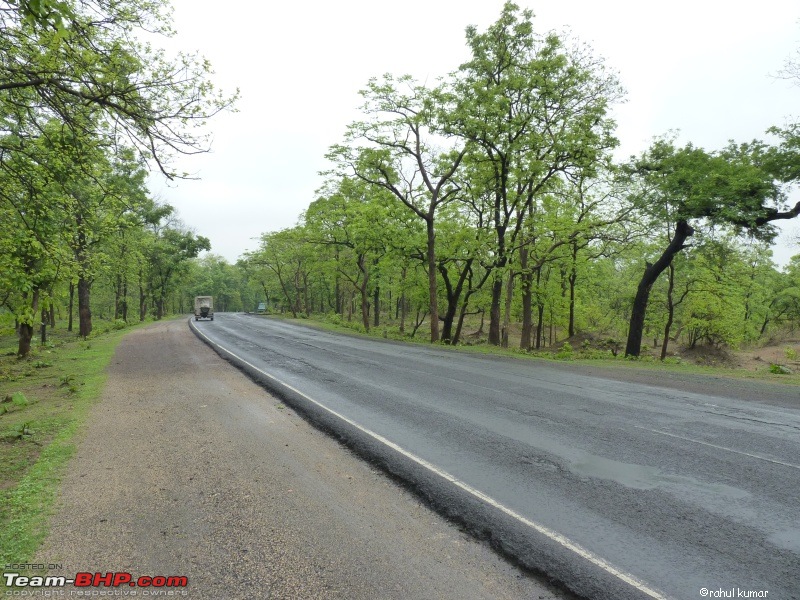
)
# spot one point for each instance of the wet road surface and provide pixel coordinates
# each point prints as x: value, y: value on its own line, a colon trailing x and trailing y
x: 615, y: 489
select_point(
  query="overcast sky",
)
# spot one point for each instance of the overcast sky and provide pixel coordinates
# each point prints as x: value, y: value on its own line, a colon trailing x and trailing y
x: 704, y: 67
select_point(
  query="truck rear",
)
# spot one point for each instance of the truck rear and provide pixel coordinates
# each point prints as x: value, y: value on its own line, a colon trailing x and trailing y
x: 203, y: 308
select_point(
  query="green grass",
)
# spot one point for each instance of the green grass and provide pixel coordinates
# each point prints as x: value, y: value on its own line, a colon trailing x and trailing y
x: 44, y: 401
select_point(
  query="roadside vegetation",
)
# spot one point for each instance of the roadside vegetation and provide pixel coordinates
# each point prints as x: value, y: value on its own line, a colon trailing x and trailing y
x: 44, y: 401
x: 86, y: 109
x: 485, y: 207
x: 88, y: 106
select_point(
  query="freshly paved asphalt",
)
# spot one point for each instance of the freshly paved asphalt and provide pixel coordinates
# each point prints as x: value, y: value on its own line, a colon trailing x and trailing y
x: 614, y: 489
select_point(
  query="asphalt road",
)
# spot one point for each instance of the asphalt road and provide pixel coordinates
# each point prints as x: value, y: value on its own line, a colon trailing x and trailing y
x: 616, y: 489
x: 185, y: 468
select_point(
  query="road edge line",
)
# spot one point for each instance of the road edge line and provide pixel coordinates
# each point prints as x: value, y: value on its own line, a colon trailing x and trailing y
x: 554, y: 536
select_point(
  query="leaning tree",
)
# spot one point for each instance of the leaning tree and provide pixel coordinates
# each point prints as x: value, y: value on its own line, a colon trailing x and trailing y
x: 742, y: 186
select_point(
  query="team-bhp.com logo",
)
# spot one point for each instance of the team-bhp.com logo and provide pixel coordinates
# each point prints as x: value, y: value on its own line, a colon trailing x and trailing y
x: 94, y: 580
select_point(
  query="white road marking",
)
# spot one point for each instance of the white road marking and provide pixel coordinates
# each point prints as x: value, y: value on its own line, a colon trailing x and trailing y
x: 546, y: 531
x: 758, y: 456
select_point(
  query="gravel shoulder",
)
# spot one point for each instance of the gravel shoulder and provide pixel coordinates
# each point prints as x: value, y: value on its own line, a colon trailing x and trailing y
x: 187, y: 468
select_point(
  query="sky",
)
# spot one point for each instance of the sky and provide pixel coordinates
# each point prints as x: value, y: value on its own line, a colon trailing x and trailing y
x: 705, y: 68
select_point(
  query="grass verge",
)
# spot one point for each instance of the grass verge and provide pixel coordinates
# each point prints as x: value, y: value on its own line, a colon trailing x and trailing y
x: 44, y: 400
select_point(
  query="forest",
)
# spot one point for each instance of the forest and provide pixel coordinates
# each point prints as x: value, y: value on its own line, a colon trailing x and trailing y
x: 485, y: 207
x: 86, y: 110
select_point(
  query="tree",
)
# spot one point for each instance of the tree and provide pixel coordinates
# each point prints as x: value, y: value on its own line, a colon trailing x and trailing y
x: 284, y: 254
x: 403, y: 158
x: 168, y: 255
x: 533, y: 109
x: 97, y: 188
x: 30, y: 223
x: 353, y: 217
x: 152, y: 103
x: 81, y: 101
x: 738, y: 187
x: 41, y: 12
x: 212, y: 275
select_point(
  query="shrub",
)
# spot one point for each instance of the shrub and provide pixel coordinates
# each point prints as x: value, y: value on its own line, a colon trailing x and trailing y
x: 565, y: 352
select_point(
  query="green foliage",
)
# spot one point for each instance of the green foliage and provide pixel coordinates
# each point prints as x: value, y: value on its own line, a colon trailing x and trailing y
x: 42, y: 13
x: 84, y: 105
x: 566, y: 352
x: 19, y: 399
x: 491, y: 193
x: 22, y: 431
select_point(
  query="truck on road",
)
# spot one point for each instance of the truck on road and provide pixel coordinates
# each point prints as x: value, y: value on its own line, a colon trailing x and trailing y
x: 203, y: 308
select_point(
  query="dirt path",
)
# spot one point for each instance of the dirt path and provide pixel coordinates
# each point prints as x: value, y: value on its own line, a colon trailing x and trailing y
x: 189, y: 469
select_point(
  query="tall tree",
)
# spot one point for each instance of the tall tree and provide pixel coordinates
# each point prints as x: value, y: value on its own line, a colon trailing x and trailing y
x: 533, y: 108
x: 404, y: 156
x: 97, y: 188
x: 31, y: 222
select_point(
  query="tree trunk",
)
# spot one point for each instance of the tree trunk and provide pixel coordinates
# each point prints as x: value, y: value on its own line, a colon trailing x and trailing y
x: 298, y: 308
x: 460, y: 325
x: 670, y: 311
x: 403, y: 301
x: 764, y: 325
x: 25, y: 337
x: 539, y: 311
x: 376, y: 302
x: 573, y: 276
x: 527, y: 300
x: 142, y: 297
x: 682, y: 232
x: 286, y: 294
x: 44, y: 325
x: 125, y: 300
x: 142, y: 305
x: 447, y: 322
x: 418, y: 322
x: 84, y: 310
x: 25, y: 330
x: 507, y: 311
x: 118, y: 297
x: 433, y: 295
x: 539, y: 324
x: 159, y: 308
x: 364, y: 291
x: 71, y: 304
x: 494, y: 311
x: 453, y: 296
